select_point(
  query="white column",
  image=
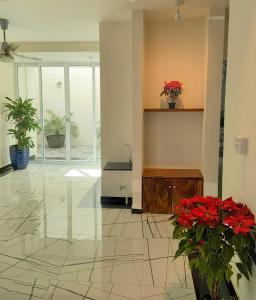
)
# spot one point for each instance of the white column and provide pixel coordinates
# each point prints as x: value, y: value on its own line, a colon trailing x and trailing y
x: 138, y: 74
x: 213, y: 78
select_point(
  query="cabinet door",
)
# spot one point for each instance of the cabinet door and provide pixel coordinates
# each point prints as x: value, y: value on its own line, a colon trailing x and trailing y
x: 157, y: 195
x: 185, y: 188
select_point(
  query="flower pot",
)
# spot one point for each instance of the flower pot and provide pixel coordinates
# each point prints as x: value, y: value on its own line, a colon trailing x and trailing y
x: 19, y: 157
x: 55, y: 140
x: 172, y: 105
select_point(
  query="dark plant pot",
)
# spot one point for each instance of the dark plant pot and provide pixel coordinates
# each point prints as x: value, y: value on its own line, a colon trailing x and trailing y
x: 19, y: 157
x: 227, y: 290
x: 55, y: 140
x: 172, y: 105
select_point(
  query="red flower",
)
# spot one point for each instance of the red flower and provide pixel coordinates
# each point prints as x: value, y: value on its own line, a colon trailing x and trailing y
x: 240, y: 223
x: 176, y: 85
x: 185, y: 221
x: 173, y: 85
x: 229, y: 205
x: 201, y: 242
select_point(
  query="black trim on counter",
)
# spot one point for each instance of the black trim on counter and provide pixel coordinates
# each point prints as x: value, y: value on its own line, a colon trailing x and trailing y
x: 115, y: 202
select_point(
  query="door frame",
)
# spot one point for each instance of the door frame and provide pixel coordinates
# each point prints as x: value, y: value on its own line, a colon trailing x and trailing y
x: 66, y: 66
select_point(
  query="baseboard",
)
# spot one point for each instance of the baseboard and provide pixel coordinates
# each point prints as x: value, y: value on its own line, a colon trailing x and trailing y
x: 6, y: 169
x: 115, y: 202
x: 137, y: 211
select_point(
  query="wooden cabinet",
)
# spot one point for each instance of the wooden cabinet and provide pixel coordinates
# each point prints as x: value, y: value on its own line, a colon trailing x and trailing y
x: 157, y: 195
x: 162, y: 189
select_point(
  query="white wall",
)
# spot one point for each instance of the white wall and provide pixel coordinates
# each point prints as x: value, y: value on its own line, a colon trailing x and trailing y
x: 215, y: 24
x: 6, y: 89
x: 239, y: 170
x: 116, y: 97
x: 173, y: 140
x: 174, y: 51
x: 138, y: 30
x: 28, y: 86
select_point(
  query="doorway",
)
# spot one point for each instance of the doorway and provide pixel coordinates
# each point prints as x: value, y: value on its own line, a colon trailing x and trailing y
x: 67, y: 99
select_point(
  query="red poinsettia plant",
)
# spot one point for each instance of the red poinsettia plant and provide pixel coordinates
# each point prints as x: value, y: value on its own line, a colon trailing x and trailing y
x: 172, y: 90
x: 219, y: 237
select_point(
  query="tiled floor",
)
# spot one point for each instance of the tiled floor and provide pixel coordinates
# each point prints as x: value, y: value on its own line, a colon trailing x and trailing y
x: 77, y: 153
x: 57, y: 243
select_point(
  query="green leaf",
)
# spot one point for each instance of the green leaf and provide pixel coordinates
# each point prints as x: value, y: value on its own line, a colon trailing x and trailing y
x: 237, y: 240
x: 183, y: 243
x: 252, y: 255
x: 177, y: 232
x: 194, y: 263
x: 229, y: 273
x: 210, y: 283
x: 183, y: 246
x: 242, y: 270
x: 199, y: 232
x: 22, y: 115
x: 238, y: 277
x: 227, y: 253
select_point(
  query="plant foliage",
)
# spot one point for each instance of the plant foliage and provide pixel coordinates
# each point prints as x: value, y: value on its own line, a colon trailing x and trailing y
x: 214, y: 232
x: 172, y: 90
x: 56, y: 125
x: 22, y: 115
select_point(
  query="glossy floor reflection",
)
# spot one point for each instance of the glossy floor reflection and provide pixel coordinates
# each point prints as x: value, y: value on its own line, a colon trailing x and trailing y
x: 56, y: 242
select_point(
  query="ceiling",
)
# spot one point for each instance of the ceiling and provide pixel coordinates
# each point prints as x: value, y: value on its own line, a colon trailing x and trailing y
x: 78, y: 20
x: 61, y: 57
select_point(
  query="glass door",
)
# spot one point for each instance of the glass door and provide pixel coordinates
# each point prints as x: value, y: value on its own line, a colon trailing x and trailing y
x: 54, y: 113
x: 67, y: 99
x: 81, y: 113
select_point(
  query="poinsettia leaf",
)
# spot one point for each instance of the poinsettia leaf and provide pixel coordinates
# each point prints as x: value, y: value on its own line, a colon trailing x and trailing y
x: 215, y: 240
x: 229, y: 273
x: 199, y: 232
x: 228, y: 253
x: 183, y: 243
x: 210, y: 282
x: 238, y: 277
x: 249, y: 267
x: 183, y: 246
x: 242, y: 270
x: 194, y: 263
x: 252, y: 255
x: 214, y: 264
x: 177, y: 232
x: 179, y: 252
x: 237, y: 240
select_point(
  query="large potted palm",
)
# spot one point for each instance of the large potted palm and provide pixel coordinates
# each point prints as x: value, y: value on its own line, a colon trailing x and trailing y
x: 22, y: 115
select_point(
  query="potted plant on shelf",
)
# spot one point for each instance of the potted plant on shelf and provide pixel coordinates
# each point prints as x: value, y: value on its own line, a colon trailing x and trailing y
x: 22, y: 115
x: 219, y: 238
x: 172, y: 90
x: 55, y: 129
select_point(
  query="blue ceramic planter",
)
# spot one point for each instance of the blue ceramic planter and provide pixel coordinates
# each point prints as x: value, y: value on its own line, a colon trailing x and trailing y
x: 19, y: 157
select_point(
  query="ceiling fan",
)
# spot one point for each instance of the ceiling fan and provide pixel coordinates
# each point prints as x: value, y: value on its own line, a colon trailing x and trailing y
x: 8, y: 50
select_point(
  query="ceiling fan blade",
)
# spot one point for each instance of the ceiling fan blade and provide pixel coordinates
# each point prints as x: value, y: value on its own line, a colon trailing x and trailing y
x: 27, y: 57
x: 6, y: 58
x: 13, y: 46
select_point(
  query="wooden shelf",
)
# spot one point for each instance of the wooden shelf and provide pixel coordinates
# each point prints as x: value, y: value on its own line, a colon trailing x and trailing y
x: 172, y: 173
x: 173, y: 110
